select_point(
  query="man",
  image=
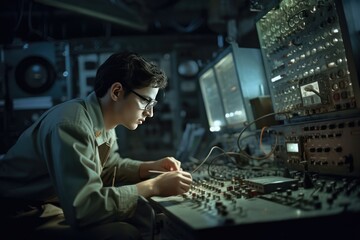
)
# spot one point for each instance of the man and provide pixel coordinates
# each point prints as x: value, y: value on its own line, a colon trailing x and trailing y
x: 68, y: 158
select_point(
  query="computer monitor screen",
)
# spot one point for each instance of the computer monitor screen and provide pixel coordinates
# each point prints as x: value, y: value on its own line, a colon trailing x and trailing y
x: 230, y: 91
x: 212, y: 100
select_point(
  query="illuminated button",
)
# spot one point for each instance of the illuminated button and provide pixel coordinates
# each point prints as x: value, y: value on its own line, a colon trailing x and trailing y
x: 339, y: 61
x: 331, y: 65
x: 288, y: 192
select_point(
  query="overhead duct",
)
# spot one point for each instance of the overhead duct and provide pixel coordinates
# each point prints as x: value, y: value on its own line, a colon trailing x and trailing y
x: 115, y: 13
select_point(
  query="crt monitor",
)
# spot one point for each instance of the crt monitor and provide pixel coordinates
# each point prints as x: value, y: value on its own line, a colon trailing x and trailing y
x: 212, y: 100
x: 228, y: 84
x: 230, y: 91
x: 223, y: 99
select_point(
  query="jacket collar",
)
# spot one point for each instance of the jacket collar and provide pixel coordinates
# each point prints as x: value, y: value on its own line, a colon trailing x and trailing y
x: 94, y: 109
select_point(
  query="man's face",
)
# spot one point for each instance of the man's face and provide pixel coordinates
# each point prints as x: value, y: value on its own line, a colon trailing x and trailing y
x: 130, y: 110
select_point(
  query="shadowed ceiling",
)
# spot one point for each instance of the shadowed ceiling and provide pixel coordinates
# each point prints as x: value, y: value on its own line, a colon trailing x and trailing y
x: 34, y: 20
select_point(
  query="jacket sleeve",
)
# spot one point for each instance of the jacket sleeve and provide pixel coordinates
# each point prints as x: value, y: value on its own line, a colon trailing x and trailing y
x: 74, y: 169
x: 126, y: 169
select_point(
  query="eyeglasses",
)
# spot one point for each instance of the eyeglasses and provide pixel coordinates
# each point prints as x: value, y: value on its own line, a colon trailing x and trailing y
x: 150, y: 102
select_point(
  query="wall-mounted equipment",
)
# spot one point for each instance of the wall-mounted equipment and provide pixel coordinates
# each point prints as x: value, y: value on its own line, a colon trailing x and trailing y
x: 34, y: 77
x: 309, y: 52
x: 39, y: 69
x: 228, y: 83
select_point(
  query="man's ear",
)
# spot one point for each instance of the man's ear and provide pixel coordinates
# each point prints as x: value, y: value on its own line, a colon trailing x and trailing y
x: 116, y: 91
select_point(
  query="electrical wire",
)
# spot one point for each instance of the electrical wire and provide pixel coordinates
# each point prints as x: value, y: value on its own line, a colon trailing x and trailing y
x: 261, y: 137
x: 30, y: 25
x: 310, y: 88
x: 228, y: 155
x: 20, y: 16
x: 242, y: 154
x: 247, y: 126
x: 206, y: 158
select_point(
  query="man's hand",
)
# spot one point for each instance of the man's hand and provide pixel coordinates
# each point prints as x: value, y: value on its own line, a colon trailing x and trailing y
x: 165, y: 164
x: 166, y: 184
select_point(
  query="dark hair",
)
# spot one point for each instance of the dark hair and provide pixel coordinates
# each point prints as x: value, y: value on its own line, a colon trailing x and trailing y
x: 130, y: 69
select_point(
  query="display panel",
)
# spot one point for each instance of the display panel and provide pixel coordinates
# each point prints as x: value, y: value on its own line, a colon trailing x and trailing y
x: 212, y: 100
x: 229, y: 85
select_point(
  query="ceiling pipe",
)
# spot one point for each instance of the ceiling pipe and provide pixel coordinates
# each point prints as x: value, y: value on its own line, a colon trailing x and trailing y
x: 102, y: 10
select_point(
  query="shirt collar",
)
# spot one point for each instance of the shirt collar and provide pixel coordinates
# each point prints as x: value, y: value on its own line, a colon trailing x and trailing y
x: 94, y: 109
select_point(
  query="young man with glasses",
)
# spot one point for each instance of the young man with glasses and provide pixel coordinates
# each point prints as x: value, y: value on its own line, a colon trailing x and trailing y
x: 66, y: 166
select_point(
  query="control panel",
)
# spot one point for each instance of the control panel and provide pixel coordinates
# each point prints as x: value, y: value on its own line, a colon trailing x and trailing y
x: 259, y: 201
x: 326, y: 147
x: 308, y: 58
x: 310, y: 185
